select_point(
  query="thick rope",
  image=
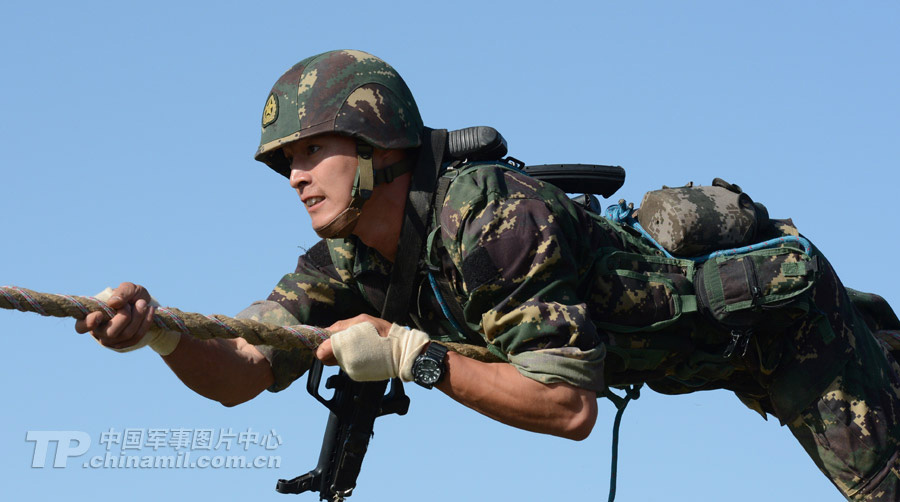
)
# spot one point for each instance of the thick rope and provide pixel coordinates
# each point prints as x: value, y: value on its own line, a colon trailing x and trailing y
x: 197, y: 325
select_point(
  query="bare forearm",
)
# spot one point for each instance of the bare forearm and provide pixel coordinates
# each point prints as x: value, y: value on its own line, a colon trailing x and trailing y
x: 496, y: 390
x: 499, y: 391
x: 228, y: 371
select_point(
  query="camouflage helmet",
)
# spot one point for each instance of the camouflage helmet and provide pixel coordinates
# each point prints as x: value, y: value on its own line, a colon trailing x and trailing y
x: 345, y: 92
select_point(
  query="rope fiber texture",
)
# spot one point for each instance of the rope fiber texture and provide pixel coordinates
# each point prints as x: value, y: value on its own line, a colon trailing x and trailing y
x: 197, y: 325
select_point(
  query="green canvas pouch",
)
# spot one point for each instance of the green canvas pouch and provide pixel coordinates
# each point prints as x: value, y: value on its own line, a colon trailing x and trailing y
x: 766, y: 285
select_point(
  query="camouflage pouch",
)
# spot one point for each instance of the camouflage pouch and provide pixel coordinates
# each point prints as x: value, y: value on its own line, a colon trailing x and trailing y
x: 767, y: 285
x: 694, y: 220
x: 639, y: 293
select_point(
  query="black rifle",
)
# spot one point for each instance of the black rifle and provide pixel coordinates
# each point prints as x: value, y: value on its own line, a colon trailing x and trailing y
x: 354, y: 408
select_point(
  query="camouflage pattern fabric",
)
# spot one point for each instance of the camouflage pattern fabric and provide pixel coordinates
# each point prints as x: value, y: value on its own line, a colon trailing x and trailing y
x: 852, y: 431
x: 879, y: 316
x: 568, y: 296
x: 553, y: 288
x: 890, y: 340
x: 518, y: 251
x: 693, y: 220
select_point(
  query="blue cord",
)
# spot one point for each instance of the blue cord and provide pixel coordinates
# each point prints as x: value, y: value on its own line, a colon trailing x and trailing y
x: 620, y: 213
x: 443, y: 303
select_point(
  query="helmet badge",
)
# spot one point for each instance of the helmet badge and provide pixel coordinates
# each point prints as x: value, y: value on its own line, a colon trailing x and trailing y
x: 270, y: 112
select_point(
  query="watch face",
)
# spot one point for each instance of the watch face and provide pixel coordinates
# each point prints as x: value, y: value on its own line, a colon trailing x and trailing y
x: 428, y: 371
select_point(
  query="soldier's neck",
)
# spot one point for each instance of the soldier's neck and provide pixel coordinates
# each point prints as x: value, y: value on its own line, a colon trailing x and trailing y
x: 381, y: 220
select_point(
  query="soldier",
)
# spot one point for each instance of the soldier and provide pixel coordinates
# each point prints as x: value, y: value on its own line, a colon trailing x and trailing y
x: 572, y: 302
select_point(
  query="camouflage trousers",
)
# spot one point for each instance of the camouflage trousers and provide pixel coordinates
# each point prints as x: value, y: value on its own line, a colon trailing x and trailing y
x: 852, y: 431
x: 850, y: 427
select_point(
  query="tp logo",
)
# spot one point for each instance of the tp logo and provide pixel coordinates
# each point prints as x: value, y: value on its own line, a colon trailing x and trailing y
x: 68, y: 444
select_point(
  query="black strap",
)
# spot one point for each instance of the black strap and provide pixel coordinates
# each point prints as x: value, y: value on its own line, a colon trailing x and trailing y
x: 447, y: 296
x: 398, y: 297
x: 389, y: 173
x: 441, y: 192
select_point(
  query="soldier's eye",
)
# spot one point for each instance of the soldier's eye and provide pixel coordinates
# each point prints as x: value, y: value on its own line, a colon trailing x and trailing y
x: 311, y: 149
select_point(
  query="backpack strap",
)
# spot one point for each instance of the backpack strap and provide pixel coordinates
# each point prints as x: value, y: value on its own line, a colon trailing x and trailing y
x: 393, y: 171
x: 444, y: 293
x: 416, y: 218
x: 441, y: 287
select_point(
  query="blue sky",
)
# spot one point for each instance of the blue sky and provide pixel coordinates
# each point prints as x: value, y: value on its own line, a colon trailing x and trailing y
x: 126, y: 141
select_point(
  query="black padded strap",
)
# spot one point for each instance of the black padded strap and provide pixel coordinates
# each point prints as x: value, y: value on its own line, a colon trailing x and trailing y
x: 415, y: 225
x: 441, y: 192
x: 393, y: 171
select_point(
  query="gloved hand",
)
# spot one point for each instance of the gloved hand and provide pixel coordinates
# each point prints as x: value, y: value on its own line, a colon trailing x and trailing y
x: 368, y: 357
x: 160, y: 340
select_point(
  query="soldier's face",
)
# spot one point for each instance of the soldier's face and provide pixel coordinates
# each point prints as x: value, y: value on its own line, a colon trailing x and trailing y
x: 322, y: 171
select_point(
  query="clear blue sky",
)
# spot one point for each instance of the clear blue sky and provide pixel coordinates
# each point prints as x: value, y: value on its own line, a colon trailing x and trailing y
x: 126, y: 140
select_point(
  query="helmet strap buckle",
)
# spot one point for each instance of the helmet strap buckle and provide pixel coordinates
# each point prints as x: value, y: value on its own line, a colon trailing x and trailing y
x: 364, y: 182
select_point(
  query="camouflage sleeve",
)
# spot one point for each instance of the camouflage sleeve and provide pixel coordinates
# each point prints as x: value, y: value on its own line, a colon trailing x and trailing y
x: 315, y: 294
x: 514, y: 244
x: 319, y: 293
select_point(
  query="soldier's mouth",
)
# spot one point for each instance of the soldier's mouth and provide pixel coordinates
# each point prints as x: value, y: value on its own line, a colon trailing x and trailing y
x: 312, y: 201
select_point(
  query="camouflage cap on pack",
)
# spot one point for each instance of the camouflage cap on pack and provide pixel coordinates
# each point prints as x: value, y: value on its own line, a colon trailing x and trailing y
x: 347, y: 92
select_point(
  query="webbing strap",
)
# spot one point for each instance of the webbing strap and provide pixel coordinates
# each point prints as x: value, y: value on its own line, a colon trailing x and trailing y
x: 688, y: 303
x: 393, y: 171
x: 398, y: 297
x: 441, y: 192
x: 365, y: 181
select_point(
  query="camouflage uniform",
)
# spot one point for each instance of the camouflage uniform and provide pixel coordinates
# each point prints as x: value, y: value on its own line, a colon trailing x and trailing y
x: 566, y: 296
x: 543, y: 282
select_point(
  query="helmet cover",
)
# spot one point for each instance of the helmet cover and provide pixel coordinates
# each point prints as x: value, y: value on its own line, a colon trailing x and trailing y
x: 345, y: 92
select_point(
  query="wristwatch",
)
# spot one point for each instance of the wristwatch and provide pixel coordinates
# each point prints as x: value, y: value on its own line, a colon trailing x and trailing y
x: 428, y: 368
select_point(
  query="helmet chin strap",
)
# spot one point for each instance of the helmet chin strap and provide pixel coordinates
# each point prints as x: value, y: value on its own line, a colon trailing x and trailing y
x: 366, y: 178
x: 343, y: 224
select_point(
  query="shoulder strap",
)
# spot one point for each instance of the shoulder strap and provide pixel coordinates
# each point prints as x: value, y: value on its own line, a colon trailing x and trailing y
x: 389, y: 173
x: 444, y: 293
x: 415, y: 225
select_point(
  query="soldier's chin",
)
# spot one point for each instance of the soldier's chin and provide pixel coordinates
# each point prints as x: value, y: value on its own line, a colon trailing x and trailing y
x: 341, y: 226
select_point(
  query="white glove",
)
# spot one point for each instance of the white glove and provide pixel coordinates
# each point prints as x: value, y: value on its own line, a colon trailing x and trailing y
x: 368, y: 357
x: 161, y: 340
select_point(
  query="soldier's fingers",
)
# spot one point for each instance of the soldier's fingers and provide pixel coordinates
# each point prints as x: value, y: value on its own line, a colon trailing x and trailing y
x: 148, y: 317
x: 90, y: 322
x: 339, y: 326
x: 346, y: 323
x: 115, y: 328
x: 127, y: 292
x: 145, y: 321
x: 136, y: 325
x: 325, y: 354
